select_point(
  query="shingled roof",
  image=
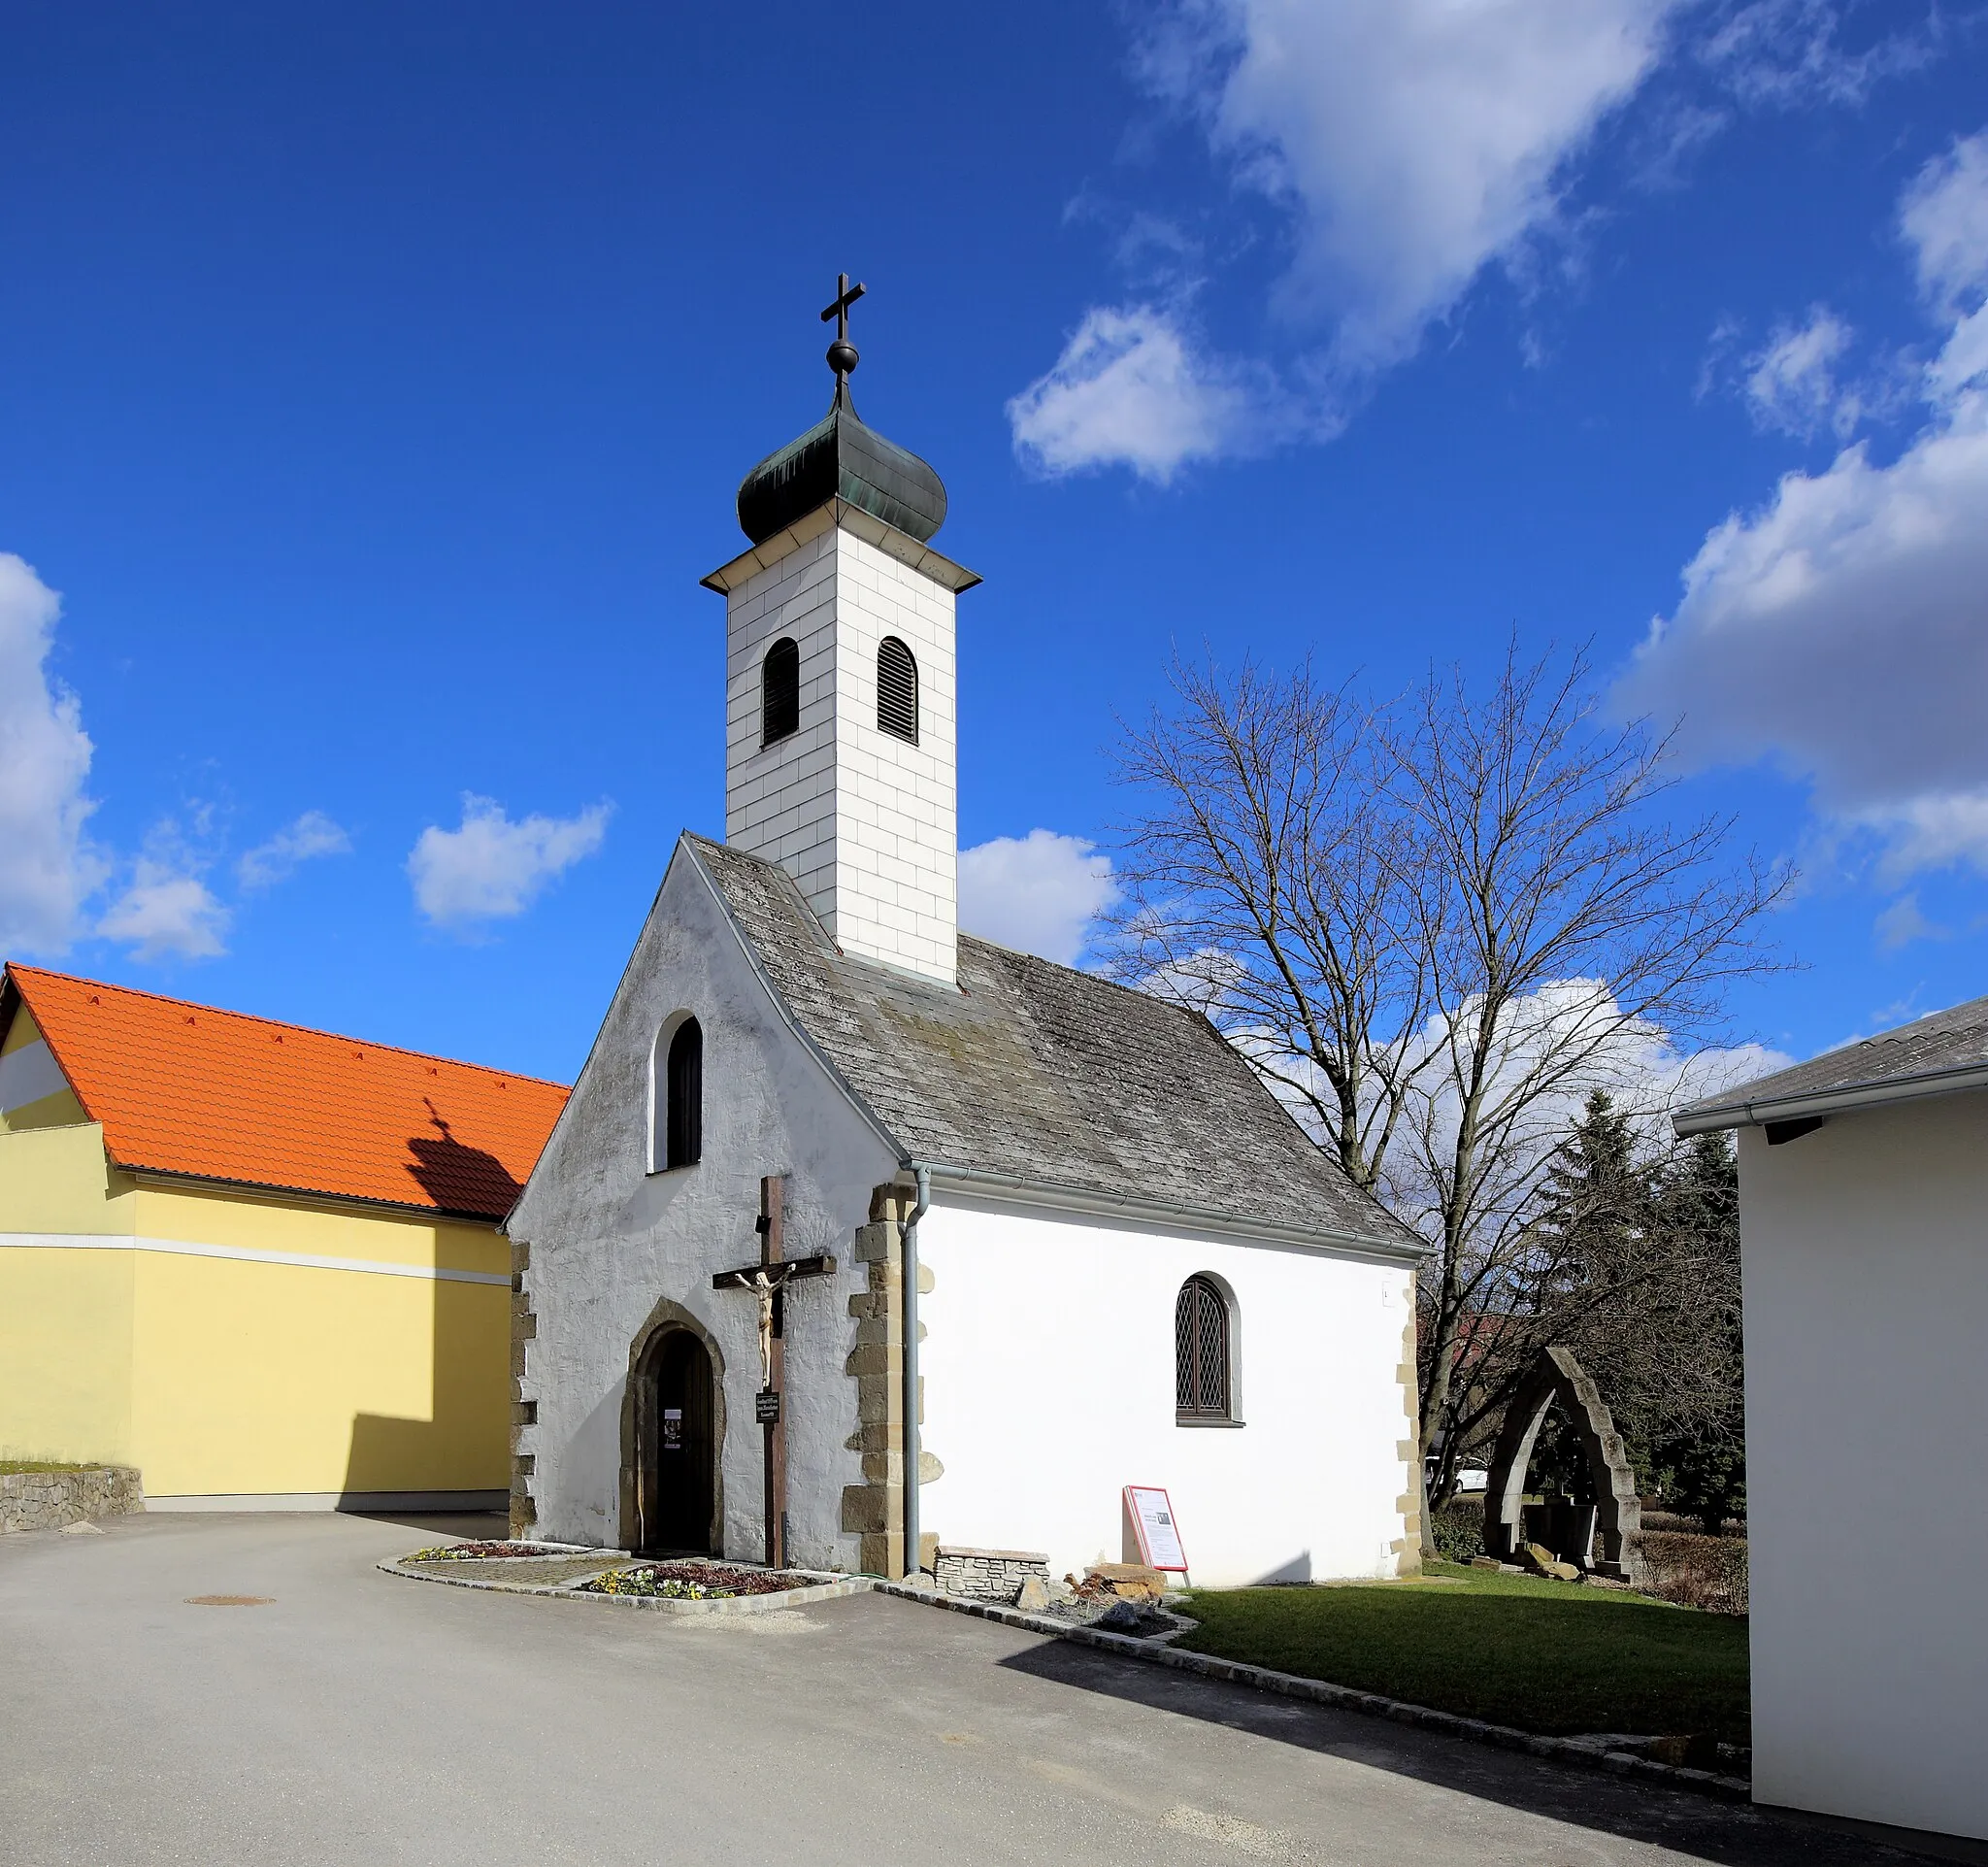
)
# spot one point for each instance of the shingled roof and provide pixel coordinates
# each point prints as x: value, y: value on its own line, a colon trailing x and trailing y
x: 1936, y: 1054
x: 186, y: 1089
x: 1039, y: 1074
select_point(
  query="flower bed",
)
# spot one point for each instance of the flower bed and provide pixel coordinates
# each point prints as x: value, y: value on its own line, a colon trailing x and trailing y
x: 482, y: 1551
x: 694, y: 1581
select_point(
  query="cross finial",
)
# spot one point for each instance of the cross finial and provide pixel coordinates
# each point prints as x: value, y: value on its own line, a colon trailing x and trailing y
x: 842, y: 353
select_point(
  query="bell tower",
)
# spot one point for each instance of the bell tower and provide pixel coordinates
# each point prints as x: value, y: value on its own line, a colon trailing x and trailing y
x: 840, y: 760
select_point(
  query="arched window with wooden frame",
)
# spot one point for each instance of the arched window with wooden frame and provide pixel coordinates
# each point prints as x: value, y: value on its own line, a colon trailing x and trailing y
x: 897, y: 690
x: 779, y: 691
x: 677, y: 1096
x: 1204, y: 1371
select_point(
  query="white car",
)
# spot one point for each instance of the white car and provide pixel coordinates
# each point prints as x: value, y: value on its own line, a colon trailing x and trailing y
x: 1474, y: 1478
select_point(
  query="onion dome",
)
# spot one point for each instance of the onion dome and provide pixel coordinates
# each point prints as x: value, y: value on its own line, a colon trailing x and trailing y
x: 841, y: 457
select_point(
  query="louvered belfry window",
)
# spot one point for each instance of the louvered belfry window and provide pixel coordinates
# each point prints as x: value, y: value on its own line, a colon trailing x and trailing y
x: 897, y: 691
x: 1200, y: 1350
x: 779, y: 691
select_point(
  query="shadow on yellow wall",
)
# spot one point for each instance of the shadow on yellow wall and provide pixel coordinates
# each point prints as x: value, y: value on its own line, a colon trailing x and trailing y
x: 464, y: 1441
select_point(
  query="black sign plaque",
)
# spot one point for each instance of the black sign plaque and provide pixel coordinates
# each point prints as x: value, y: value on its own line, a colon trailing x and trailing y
x: 766, y: 1407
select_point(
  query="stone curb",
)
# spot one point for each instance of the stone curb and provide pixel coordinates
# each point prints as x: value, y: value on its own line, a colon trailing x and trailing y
x: 827, y: 1590
x: 1344, y: 1698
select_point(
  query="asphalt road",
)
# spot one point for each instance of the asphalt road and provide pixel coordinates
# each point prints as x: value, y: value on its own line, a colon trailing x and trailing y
x: 357, y: 1717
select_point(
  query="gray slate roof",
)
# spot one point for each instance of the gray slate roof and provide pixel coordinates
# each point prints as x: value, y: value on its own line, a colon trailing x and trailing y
x: 1937, y: 1044
x: 1045, y: 1074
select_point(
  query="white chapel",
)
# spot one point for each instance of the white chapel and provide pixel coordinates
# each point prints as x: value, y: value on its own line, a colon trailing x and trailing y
x: 844, y: 1196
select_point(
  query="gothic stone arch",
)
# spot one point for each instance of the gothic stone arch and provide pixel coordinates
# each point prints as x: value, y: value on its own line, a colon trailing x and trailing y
x: 638, y: 1408
x: 1619, y: 1512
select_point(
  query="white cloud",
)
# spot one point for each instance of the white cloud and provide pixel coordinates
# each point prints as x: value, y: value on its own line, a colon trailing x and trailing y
x: 491, y: 868
x: 313, y: 834
x: 1791, y: 385
x: 1414, y: 141
x: 1789, y: 51
x: 1842, y: 629
x: 1408, y: 144
x: 1937, y: 830
x: 47, y: 868
x: 1903, y: 922
x: 1944, y: 217
x: 167, y: 913
x: 1038, y: 893
x: 1132, y: 389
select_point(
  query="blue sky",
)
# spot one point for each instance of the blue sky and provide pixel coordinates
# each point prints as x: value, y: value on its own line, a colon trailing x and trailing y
x: 374, y: 382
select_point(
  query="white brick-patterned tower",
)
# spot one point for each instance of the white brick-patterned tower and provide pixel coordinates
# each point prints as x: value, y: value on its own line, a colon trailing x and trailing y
x: 863, y: 816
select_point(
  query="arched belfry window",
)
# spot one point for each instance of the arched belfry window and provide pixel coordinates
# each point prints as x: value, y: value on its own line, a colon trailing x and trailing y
x: 679, y: 1097
x: 1202, y: 1388
x: 779, y: 691
x: 897, y: 690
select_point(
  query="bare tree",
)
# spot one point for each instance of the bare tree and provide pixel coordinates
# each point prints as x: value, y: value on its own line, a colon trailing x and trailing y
x: 1434, y: 926
x: 1269, y: 883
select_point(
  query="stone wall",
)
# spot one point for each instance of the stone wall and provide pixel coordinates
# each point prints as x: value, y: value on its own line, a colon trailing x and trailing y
x: 49, y: 1500
x: 988, y: 1574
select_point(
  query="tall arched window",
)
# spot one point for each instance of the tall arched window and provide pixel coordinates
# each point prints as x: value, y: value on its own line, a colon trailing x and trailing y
x: 897, y: 690
x: 1201, y: 1351
x: 679, y: 1098
x: 779, y: 691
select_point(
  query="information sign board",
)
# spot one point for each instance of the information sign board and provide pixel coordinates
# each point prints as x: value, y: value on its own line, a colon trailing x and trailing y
x: 1154, y: 1524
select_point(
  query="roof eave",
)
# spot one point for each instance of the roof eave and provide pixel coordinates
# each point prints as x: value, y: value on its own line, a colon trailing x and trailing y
x: 1708, y: 1118
x: 839, y: 513
x: 980, y: 1182
x: 315, y: 1195
x: 869, y: 1117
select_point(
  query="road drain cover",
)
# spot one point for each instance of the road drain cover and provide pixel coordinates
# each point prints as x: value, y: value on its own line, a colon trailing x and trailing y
x: 229, y: 1601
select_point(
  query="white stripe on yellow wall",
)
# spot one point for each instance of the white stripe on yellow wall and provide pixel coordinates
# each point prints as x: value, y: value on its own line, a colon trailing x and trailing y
x: 181, y: 1247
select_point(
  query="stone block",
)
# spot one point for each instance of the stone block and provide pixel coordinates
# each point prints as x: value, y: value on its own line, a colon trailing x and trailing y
x: 867, y: 1510
x: 1130, y: 1580
x: 1542, y: 1561
x: 878, y: 1402
x: 1033, y: 1597
x: 874, y: 1242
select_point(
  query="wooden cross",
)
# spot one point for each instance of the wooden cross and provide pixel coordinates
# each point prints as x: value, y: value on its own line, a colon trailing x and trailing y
x: 845, y: 295
x: 768, y: 1279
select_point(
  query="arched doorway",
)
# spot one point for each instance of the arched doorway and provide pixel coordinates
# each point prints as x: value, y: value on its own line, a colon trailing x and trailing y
x: 676, y: 1442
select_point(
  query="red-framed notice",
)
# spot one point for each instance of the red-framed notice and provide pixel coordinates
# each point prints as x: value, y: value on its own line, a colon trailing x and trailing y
x: 1158, y: 1530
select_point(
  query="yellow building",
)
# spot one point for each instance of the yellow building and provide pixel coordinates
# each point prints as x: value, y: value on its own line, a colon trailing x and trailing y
x: 260, y: 1263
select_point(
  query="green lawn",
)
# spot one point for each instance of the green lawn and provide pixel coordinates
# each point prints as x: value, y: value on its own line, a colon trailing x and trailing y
x: 1548, y: 1656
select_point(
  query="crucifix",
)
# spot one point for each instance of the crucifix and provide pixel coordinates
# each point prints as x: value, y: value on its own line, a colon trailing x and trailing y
x: 768, y: 1281
x: 843, y: 356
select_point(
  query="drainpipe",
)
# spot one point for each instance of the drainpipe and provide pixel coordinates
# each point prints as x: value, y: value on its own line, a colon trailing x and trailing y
x: 910, y: 1360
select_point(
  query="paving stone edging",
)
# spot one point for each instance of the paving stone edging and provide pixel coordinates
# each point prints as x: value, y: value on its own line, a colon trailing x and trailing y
x: 53, y: 1500
x: 1264, y: 1679
x: 827, y: 1589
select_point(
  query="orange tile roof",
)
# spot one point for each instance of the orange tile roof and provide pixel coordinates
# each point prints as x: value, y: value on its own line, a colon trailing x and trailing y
x: 188, y: 1089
